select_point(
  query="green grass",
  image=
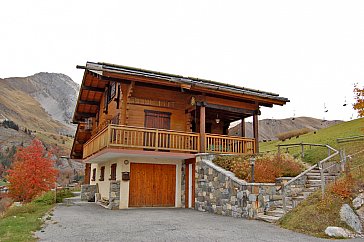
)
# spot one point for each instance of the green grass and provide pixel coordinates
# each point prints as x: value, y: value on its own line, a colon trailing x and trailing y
x: 314, y: 215
x: 18, y: 223
x: 2, y: 183
x: 323, y: 136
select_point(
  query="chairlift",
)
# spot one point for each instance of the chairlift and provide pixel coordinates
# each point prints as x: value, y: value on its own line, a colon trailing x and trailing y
x: 325, y: 108
x: 344, y: 105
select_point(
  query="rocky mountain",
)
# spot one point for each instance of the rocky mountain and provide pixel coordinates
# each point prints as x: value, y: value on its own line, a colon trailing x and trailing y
x: 270, y: 128
x: 44, y: 101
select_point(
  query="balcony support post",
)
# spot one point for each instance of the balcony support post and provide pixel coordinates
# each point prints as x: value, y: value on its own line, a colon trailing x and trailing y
x: 255, y: 131
x: 202, y: 128
x: 242, y: 126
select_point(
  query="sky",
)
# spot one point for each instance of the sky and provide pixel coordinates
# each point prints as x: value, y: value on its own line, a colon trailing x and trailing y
x: 311, y: 52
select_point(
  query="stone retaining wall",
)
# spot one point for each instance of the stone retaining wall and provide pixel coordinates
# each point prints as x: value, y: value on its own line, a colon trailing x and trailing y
x: 114, y: 195
x: 219, y: 191
x: 88, y: 192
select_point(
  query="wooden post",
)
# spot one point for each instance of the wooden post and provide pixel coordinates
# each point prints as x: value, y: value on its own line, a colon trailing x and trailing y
x: 302, y: 151
x: 202, y: 128
x: 284, y: 199
x: 242, y: 127
x: 87, y: 173
x: 322, y: 180
x: 124, y: 104
x: 255, y: 132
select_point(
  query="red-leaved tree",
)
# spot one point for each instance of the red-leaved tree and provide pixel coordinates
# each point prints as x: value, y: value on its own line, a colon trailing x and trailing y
x: 359, y: 100
x: 32, y: 172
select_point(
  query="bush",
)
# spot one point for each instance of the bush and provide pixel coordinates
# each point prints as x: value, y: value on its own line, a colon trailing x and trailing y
x: 267, y: 168
x: 46, y: 198
x: 293, y: 133
x: 5, y: 203
x: 11, y: 125
x: 63, y: 193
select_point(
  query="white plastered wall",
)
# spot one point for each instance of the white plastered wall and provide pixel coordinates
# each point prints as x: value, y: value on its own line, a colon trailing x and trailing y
x: 104, y: 186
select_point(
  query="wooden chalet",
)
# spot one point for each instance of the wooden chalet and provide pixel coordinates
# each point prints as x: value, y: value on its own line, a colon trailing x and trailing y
x: 144, y: 128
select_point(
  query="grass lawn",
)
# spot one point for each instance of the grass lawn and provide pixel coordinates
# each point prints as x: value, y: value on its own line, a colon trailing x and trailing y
x: 323, y: 136
x: 18, y: 223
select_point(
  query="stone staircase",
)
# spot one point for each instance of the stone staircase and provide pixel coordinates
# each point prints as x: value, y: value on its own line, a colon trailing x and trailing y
x: 313, y: 183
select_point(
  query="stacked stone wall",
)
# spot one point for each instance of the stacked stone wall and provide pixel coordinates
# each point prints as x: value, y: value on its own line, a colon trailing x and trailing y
x: 114, y: 195
x: 219, y: 191
x: 88, y: 192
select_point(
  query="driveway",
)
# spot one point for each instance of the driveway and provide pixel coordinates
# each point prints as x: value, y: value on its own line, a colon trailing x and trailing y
x: 90, y: 222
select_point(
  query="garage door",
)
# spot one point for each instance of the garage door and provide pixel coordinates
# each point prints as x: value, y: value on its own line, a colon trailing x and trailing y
x: 152, y: 185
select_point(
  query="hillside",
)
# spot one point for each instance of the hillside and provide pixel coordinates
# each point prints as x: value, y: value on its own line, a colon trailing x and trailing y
x: 44, y: 101
x: 348, y: 186
x: 322, y: 136
x: 269, y: 128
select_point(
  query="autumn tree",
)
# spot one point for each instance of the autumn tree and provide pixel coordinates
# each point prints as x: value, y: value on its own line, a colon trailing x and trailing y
x: 359, y: 100
x: 32, y: 172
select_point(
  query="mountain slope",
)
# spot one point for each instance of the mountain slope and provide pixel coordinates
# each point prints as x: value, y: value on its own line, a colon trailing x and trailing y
x: 269, y: 128
x: 44, y: 101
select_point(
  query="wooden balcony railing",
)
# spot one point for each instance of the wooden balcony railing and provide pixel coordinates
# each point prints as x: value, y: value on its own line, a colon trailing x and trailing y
x: 119, y: 136
x: 142, y: 138
x: 216, y: 143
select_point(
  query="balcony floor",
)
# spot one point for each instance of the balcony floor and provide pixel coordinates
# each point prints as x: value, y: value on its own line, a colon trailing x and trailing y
x: 113, y: 153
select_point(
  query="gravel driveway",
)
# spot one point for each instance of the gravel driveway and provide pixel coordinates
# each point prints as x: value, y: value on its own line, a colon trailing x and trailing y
x: 90, y: 222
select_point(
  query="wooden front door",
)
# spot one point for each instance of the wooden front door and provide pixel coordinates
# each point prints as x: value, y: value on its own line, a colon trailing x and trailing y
x: 152, y: 185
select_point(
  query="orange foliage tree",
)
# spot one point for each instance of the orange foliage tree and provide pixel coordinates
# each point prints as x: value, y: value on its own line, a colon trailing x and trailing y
x: 32, y: 172
x: 359, y: 100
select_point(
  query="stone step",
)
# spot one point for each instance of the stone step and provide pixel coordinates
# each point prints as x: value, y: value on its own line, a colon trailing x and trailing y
x: 278, y: 212
x: 267, y: 218
x: 310, y: 189
x: 288, y: 207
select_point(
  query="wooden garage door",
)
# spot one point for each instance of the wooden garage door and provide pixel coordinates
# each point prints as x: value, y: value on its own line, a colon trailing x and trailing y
x: 152, y: 185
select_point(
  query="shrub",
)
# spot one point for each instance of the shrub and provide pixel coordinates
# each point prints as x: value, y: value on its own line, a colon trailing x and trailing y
x: 5, y: 203
x: 293, y: 133
x: 46, y: 198
x: 267, y: 167
x: 11, y: 125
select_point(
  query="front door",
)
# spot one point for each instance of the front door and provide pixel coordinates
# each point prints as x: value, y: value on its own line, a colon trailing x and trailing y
x: 152, y: 185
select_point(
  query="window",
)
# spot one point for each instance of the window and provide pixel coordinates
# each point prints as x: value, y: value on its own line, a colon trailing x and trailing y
x: 102, y: 173
x: 112, y: 90
x: 93, y: 174
x: 113, y: 172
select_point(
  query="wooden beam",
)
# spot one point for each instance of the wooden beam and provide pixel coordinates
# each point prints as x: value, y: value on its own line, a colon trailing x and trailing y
x: 85, y: 115
x: 230, y: 109
x: 93, y: 89
x: 202, y: 128
x: 94, y: 103
x: 255, y: 131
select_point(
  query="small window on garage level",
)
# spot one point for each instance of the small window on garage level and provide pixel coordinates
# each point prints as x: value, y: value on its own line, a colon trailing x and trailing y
x: 102, y: 173
x: 113, y: 172
x: 93, y: 174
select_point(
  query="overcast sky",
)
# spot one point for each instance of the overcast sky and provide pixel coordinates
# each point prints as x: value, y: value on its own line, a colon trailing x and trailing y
x: 311, y: 52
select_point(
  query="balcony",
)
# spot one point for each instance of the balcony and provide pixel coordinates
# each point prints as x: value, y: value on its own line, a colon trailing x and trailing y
x: 127, y: 137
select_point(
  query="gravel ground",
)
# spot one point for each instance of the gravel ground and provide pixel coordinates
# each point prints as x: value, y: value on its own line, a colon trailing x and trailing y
x: 90, y: 222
